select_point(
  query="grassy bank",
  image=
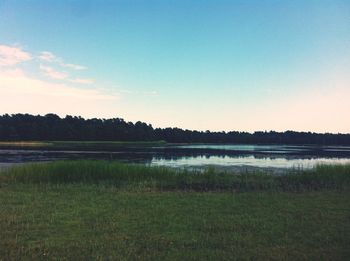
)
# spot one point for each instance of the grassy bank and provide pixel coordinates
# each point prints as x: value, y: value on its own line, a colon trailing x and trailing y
x: 77, y: 145
x: 102, y: 210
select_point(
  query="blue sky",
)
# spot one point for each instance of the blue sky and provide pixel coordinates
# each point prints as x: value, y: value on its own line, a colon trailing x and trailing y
x: 217, y: 65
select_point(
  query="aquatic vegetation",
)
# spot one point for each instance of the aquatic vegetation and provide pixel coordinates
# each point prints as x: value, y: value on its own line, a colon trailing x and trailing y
x: 130, y: 176
x: 73, y: 145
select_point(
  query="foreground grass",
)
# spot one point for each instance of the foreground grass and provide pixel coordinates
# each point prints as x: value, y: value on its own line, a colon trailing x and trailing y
x: 90, y: 222
x: 102, y: 210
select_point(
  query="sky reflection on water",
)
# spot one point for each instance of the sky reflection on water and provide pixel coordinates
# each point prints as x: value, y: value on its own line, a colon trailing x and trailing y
x: 197, y: 156
x: 253, y: 161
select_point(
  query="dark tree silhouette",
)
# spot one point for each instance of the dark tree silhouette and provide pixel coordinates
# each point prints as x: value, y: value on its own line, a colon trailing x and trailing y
x: 25, y: 127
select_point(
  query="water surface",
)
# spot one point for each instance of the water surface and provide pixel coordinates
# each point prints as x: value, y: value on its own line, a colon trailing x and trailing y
x: 198, y: 156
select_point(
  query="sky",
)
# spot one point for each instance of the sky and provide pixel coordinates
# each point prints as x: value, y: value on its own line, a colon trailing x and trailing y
x: 205, y: 65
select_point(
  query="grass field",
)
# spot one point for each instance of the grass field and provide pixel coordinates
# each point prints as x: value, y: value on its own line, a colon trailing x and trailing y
x: 101, y: 210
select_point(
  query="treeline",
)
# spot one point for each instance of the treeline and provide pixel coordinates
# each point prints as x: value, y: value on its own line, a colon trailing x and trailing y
x: 26, y: 127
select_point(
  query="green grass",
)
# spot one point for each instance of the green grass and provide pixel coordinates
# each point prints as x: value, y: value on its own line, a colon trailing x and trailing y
x: 133, y: 176
x: 87, y: 210
x: 90, y: 222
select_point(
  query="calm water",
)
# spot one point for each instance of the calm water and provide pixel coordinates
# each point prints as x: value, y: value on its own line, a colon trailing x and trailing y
x: 253, y: 161
x: 258, y: 156
x: 198, y: 156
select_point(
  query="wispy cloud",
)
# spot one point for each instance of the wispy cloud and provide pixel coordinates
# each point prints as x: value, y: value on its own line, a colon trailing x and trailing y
x: 83, y: 81
x: 73, y: 66
x: 23, y: 93
x: 47, y: 56
x: 52, y: 73
x: 51, y: 58
x: 22, y: 89
x: 146, y: 93
x: 12, y: 55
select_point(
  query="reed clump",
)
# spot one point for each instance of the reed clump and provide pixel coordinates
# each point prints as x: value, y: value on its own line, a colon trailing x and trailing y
x: 129, y: 176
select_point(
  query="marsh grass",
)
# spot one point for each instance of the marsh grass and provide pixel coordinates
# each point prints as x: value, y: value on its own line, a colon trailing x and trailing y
x: 20, y: 144
x: 83, y: 145
x: 131, y: 176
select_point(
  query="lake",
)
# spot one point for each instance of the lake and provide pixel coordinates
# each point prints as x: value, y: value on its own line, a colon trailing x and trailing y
x: 195, y: 156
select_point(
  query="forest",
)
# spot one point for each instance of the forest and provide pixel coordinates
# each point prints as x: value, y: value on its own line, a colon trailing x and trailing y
x: 51, y: 127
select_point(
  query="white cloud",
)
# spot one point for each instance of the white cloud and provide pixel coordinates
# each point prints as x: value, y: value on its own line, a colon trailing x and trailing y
x: 83, y: 81
x: 11, y: 55
x: 47, y: 56
x: 21, y: 93
x: 73, y: 66
x: 50, y: 57
x: 52, y: 73
x: 24, y: 91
